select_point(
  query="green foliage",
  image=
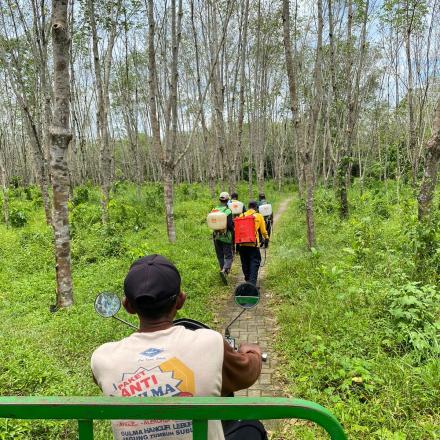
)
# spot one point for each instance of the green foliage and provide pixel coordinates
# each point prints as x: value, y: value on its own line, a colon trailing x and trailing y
x: 81, y: 195
x: 358, y: 329
x: 405, y: 15
x: 84, y: 216
x: 17, y: 218
x: 16, y: 181
x: 49, y: 354
x: 414, y: 311
x: 123, y: 214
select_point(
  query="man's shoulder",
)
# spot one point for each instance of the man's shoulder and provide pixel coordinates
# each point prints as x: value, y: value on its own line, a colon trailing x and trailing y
x: 224, y: 209
x: 104, y: 349
x: 208, y: 334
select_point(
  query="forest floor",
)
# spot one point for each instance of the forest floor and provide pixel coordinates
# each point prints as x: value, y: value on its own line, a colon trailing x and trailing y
x: 358, y: 323
x: 354, y: 324
x: 49, y: 354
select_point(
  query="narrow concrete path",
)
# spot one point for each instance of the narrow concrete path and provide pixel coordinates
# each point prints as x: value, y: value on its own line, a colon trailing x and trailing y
x: 257, y: 325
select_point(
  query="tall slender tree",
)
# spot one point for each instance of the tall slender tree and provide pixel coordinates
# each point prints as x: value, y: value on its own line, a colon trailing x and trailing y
x: 60, y: 136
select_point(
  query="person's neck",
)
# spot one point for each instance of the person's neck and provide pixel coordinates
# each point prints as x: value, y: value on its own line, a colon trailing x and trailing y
x: 147, y: 326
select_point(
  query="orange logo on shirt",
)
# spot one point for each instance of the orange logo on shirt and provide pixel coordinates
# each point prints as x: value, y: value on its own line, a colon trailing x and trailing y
x: 171, y: 378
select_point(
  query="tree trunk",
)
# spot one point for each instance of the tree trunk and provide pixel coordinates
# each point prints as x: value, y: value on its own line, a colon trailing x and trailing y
x: 243, y: 47
x: 315, y: 109
x: 102, y: 78
x: 4, y: 180
x: 217, y: 92
x: 353, y: 106
x: 412, y: 136
x: 167, y: 160
x: 61, y: 136
x: 432, y: 158
x: 305, y: 155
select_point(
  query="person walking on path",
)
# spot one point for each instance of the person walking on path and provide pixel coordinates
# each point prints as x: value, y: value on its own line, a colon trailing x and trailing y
x: 234, y: 199
x: 269, y: 219
x: 223, y: 240
x: 250, y: 255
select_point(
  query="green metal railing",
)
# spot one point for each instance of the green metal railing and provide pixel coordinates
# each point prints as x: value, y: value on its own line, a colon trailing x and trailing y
x: 197, y: 409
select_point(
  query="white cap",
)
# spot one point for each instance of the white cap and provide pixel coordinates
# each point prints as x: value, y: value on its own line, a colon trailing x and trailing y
x: 224, y: 196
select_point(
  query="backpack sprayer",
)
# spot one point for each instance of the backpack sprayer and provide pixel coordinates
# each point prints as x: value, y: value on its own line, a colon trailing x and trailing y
x: 244, y: 226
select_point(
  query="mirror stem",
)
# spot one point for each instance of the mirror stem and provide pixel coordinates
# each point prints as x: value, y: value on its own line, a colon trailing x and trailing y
x: 125, y: 322
x: 227, y: 333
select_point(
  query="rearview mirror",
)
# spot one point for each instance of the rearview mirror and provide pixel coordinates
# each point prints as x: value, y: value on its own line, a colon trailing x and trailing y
x: 107, y: 304
x: 247, y: 295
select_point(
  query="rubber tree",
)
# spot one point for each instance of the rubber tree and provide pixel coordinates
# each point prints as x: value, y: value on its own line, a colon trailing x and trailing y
x: 305, y: 153
x: 430, y: 172
x: 60, y: 138
x: 4, y: 179
x: 102, y: 66
x: 168, y: 147
x: 25, y: 62
x: 241, y: 104
x: 352, y: 102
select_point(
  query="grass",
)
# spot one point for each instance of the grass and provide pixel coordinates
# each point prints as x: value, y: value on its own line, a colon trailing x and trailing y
x: 49, y: 354
x: 350, y: 334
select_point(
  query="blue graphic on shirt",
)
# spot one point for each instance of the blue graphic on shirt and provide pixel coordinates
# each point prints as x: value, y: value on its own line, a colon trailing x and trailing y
x: 151, y: 352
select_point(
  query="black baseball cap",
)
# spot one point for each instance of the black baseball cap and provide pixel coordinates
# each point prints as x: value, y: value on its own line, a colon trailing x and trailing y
x: 154, y: 279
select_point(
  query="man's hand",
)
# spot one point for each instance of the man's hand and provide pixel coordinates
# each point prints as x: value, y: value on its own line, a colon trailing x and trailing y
x: 266, y: 243
x: 246, y: 347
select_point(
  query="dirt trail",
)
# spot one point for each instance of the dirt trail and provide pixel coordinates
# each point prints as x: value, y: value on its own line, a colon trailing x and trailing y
x: 257, y: 325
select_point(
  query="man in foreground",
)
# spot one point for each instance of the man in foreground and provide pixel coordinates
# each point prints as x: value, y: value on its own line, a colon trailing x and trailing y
x: 250, y: 255
x: 165, y: 360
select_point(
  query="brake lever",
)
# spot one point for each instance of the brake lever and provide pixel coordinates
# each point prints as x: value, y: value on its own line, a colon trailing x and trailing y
x: 231, y: 342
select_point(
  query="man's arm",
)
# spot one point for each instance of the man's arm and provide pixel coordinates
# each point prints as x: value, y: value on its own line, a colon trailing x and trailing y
x: 241, y: 368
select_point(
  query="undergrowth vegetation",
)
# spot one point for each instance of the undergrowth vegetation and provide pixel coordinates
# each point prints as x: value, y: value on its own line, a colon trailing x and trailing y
x: 49, y: 354
x: 360, y: 321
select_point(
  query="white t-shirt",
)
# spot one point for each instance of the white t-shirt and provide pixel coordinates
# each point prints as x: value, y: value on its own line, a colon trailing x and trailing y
x: 166, y: 363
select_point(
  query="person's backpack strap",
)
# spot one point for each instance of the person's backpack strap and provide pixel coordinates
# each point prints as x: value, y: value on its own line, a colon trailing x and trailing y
x: 225, y: 236
x: 224, y: 209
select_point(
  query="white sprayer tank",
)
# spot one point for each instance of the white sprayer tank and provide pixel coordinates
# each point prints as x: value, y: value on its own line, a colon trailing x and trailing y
x: 217, y: 220
x: 265, y: 210
x: 236, y: 207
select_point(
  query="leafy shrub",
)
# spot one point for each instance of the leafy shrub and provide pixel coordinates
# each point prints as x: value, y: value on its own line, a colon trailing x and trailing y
x: 351, y: 376
x: 325, y: 202
x: 81, y: 195
x: 83, y: 216
x: 113, y: 244
x: 381, y: 207
x: 16, y: 181
x: 40, y: 238
x: 126, y: 215
x: 18, y: 218
x: 413, y: 309
x: 364, y: 235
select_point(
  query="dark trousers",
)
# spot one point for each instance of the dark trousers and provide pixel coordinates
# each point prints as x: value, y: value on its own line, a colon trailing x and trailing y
x: 224, y: 254
x: 268, y: 225
x: 250, y: 262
